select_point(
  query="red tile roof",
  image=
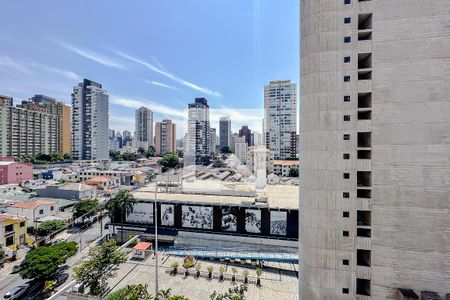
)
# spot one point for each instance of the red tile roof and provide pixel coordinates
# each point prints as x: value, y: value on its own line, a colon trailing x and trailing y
x: 142, y: 246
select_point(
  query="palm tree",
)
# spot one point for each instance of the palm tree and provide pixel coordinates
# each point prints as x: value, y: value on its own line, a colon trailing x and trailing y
x: 258, y: 275
x: 122, y: 204
x: 245, y: 273
x: 139, y: 291
x: 234, y: 271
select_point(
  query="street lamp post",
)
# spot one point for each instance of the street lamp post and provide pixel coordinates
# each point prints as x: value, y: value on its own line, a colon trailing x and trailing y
x: 155, y: 220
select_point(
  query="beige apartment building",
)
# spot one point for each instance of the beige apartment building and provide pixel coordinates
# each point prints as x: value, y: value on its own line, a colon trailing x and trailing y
x: 374, y: 129
x: 165, y: 136
x: 40, y: 125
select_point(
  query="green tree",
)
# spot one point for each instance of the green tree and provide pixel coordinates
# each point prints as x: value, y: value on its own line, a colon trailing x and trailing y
x: 131, y: 292
x: 47, y: 227
x: 150, y: 152
x: 2, y: 254
x: 115, y: 155
x: 121, y: 205
x: 226, y: 150
x: 102, y: 264
x: 170, y: 160
x: 293, y: 172
x: 67, y: 156
x: 236, y: 293
x: 85, y: 208
x: 141, y: 151
x: 180, y: 153
x: 42, y: 263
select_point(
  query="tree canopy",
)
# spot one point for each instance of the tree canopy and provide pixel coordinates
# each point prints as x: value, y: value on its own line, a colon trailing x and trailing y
x: 47, y: 227
x: 85, y: 208
x: 121, y: 204
x: 127, y: 156
x: 102, y: 264
x: 170, y: 160
x: 43, y: 262
x: 293, y: 172
x: 226, y: 150
x: 150, y: 151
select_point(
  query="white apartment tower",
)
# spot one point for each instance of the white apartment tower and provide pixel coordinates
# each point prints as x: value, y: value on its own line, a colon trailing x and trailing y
x: 198, y: 135
x: 280, y: 118
x: 374, y: 155
x: 144, y: 126
x: 89, y: 122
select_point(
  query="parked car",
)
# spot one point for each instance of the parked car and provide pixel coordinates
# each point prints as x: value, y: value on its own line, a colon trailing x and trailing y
x: 15, y: 269
x: 61, y: 278
x: 17, y: 292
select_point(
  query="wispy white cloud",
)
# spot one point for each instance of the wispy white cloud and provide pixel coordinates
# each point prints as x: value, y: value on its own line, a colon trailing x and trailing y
x: 98, y: 58
x: 7, y: 62
x: 157, y: 83
x: 154, y: 106
x: 29, y: 67
x: 168, y: 75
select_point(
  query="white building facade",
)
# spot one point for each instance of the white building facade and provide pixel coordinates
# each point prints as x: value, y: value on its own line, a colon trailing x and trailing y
x: 90, y: 118
x: 280, y: 118
x: 198, y: 135
x: 144, y: 126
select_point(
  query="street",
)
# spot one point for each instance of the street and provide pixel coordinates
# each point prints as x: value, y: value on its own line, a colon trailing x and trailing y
x: 83, y: 237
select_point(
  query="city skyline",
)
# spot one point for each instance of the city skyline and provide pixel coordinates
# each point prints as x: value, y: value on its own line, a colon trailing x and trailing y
x: 153, y: 73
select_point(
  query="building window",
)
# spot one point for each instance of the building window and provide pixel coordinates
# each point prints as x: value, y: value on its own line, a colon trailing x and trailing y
x: 345, y: 291
x: 346, y: 156
x: 346, y: 118
x: 41, y: 211
x: 346, y: 98
x: 346, y: 137
x: 346, y: 175
x: 346, y: 59
x: 9, y: 241
x: 347, y: 20
x: 345, y: 262
x: 345, y: 195
x: 347, y: 78
x: 347, y: 2
x: 346, y: 214
x: 345, y: 233
x: 22, y: 224
x: 347, y: 39
x: 52, y: 208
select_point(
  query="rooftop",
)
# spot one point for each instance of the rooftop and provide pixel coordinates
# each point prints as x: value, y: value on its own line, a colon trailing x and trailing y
x: 216, y: 192
x: 97, y: 180
x: 32, y: 204
x: 4, y: 217
x: 142, y: 246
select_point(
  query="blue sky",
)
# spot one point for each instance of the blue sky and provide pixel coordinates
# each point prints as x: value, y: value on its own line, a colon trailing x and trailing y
x: 161, y: 54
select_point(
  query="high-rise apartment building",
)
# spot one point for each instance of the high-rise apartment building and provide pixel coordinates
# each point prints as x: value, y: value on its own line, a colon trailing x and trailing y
x: 247, y: 133
x: 165, y: 136
x: 52, y: 106
x: 280, y: 118
x: 28, y: 131
x: 224, y: 132
x: 374, y: 153
x: 144, y: 126
x: 212, y: 140
x: 89, y: 121
x: 198, y: 134
x: 240, y: 148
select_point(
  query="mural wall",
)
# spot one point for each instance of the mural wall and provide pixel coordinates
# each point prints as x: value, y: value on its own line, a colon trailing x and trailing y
x: 197, y: 217
x: 167, y: 215
x: 142, y: 213
x: 225, y: 219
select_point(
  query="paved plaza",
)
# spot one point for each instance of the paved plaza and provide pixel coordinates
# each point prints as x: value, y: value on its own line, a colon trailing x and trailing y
x: 278, y: 280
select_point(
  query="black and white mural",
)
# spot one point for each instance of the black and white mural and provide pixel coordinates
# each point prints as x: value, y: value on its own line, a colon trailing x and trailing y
x: 278, y: 222
x: 142, y: 213
x: 167, y: 215
x: 229, y: 220
x: 197, y: 217
x: 253, y: 220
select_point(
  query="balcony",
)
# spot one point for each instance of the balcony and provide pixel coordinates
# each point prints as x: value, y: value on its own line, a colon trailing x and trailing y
x: 363, y: 204
x: 364, y: 165
x: 363, y: 272
x: 364, y: 125
x: 364, y: 243
x: 364, y: 44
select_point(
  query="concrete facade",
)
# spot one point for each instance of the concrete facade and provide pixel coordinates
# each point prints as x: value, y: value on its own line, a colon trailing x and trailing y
x: 144, y: 125
x: 165, y: 136
x: 374, y: 131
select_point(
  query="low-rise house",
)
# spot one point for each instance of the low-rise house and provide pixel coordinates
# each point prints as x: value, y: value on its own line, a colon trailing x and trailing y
x: 141, y: 250
x: 71, y: 191
x: 282, y: 167
x: 103, y: 183
x: 13, y: 231
x: 125, y: 177
x: 34, y: 210
x: 14, y: 172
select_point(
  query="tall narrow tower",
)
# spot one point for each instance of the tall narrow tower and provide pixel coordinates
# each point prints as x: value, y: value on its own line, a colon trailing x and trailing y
x: 374, y: 130
x: 144, y: 125
x: 89, y: 122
